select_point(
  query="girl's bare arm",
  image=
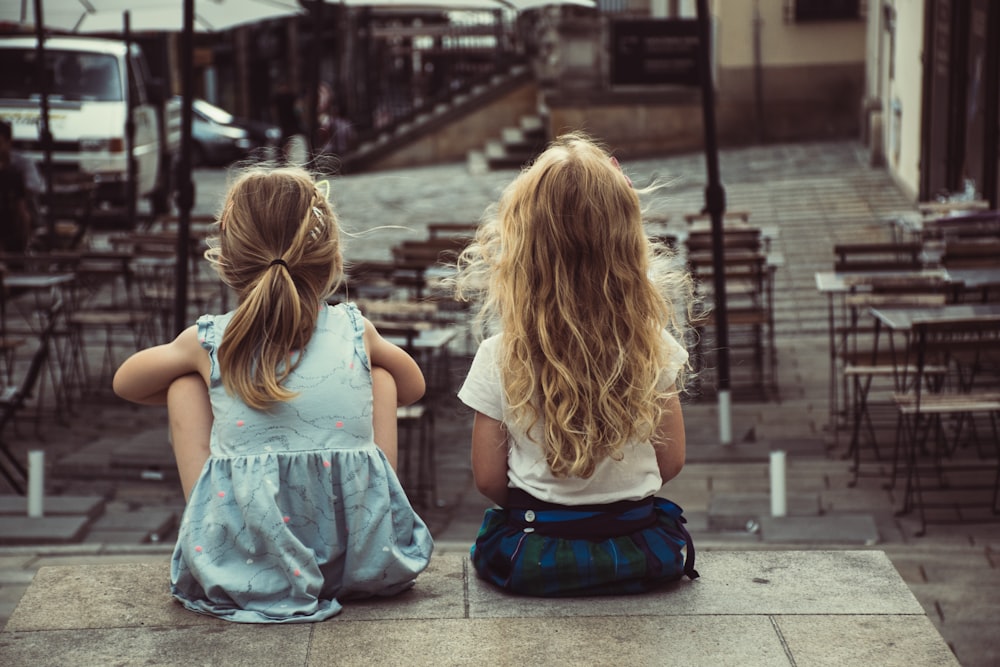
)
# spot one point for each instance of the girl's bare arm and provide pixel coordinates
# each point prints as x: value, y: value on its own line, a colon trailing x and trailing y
x: 670, y: 441
x: 146, y: 376
x: 489, y: 458
x: 410, y: 384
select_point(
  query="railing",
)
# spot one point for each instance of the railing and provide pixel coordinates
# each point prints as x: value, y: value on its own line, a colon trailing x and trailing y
x: 411, y: 63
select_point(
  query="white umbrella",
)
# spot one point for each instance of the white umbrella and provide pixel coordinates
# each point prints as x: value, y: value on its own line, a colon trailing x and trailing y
x: 167, y: 15
x: 164, y: 15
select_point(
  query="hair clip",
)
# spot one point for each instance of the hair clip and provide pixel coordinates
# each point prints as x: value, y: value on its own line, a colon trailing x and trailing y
x: 614, y: 161
x: 323, y: 187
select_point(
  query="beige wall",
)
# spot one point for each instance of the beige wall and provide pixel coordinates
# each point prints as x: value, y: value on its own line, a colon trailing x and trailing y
x: 633, y: 129
x: 902, y: 96
x: 784, y: 44
x: 809, y: 82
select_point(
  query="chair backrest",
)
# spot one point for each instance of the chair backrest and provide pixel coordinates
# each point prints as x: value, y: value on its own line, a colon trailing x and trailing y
x: 968, y: 345
x: 877, y: 256
x: 460, y: 229
x: 745, y: 238
x: 970, y: 253
x: 976, y: 224
x: 728, y: 216
x: 27, y: 386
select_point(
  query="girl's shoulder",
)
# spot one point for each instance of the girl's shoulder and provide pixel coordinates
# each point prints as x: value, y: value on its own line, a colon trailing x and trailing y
x: 211, y: 327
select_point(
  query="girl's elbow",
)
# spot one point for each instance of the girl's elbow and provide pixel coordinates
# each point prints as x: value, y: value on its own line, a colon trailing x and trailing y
x: 412, y: 391
x: 495, y: 492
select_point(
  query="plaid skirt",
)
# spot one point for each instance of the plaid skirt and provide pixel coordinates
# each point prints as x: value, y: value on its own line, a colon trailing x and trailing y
x: 542, y: 549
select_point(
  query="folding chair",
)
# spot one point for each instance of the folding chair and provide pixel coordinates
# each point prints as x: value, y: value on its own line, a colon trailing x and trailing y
x: 749, y: 309
x: 938, y: 419
x: 417, y: 420
x: 13, y: 399
x: 871, y: 373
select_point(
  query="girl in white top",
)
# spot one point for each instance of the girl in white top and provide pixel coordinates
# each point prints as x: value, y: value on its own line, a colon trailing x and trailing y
x: 578, y: 421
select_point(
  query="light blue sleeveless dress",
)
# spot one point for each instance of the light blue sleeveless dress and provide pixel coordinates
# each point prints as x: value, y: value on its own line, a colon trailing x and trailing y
x: 296, y: 509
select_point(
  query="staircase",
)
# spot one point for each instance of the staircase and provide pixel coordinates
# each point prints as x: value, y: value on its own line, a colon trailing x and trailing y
x: 379, y: 150
x: 516, y: 147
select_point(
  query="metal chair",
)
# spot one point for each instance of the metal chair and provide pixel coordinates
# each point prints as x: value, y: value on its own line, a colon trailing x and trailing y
x: 938, y: 420
x: 13, y: 399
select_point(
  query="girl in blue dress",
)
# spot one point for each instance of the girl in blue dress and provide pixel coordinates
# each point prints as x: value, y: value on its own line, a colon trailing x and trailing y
x: 578, y: 420
x: 294, y: 508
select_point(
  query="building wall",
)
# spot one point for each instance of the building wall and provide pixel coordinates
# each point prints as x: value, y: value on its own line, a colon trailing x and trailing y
x: 901, y: 69
x: 894, y: 70
x: 794, y: 80
x: 632, y: 126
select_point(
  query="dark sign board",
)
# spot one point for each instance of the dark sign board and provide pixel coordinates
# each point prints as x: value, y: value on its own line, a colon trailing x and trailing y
x: 654, y: 52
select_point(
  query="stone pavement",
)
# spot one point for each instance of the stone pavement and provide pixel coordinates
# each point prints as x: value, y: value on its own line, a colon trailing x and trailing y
x: 812, y: 195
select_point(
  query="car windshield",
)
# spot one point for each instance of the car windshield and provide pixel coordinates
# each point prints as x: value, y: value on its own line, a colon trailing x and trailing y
x: 212, y: 112
x: 72, y: 75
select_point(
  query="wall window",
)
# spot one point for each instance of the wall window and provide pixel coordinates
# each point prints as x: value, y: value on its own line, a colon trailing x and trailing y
x: 824, y: 10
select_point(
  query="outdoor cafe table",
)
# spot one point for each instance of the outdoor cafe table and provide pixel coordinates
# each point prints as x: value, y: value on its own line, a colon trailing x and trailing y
x: 836, y: 285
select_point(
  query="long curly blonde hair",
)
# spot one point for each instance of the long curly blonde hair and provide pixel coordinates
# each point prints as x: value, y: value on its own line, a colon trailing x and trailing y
x: 582, y: 297
x: 278, y: 247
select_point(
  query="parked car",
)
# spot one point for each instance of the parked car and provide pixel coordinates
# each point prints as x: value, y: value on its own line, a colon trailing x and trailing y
x: 220, y: 138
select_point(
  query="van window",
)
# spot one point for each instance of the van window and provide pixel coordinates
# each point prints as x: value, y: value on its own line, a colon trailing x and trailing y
x: 71, y: 75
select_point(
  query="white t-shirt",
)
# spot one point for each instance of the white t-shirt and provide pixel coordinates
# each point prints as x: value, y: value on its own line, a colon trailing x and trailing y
x: 634, y: 477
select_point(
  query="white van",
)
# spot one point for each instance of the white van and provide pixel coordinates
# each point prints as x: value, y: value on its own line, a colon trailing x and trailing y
x: 87, y: 115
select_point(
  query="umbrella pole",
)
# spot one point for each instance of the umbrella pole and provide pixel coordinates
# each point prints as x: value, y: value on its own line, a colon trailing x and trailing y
x: 44, y: 131
x: 130, y: 187
x: 185, y: 194
x: 715, y: 205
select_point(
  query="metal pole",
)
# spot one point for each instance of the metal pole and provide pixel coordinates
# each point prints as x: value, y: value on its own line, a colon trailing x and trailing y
x: 185, y: 192
x: 130, y: 187
x: 715, y: 205
x: 44, y: 130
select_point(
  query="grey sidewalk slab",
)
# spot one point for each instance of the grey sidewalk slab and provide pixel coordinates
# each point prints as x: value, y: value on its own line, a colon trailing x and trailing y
x: 42, y: 530
x: 92, y: 506
x: 748, y: 609
x: 827, y: 529
x: 739, y: 582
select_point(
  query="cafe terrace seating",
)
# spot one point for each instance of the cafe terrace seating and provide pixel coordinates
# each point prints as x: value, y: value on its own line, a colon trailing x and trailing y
x: 942, y: 430
x: 914, y: 323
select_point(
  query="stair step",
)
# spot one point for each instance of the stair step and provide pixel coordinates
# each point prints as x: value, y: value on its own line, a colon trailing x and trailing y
x: 495, y: 150
x: 499, y: 157
x: 476, y: 163
x: 531, y: 125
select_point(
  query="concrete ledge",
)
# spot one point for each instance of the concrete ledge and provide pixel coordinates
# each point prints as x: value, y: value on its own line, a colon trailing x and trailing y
x: 749, y: 608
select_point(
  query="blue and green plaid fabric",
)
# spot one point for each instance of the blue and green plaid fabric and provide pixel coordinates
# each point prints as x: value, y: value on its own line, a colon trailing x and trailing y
x: 577, y: 551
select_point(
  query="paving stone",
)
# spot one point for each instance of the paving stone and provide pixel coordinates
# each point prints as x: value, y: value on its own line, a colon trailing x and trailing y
x: 54, y: 505
x: 153, y: 521
x: 826, y: 529
x: 886, y: 641
x: 116, y: 537
x: 44, y: 530
x: 734, y: 511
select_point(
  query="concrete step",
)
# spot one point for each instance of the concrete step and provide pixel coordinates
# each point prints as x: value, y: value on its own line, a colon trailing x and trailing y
x: 476, y: 162
x: 65, y: 519
x: 748, y: 607
x: 499, y: 157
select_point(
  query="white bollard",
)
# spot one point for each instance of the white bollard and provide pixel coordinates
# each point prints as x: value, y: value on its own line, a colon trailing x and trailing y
x: 779, y: 503
x: 36, y: 483
x: 725, y: 418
